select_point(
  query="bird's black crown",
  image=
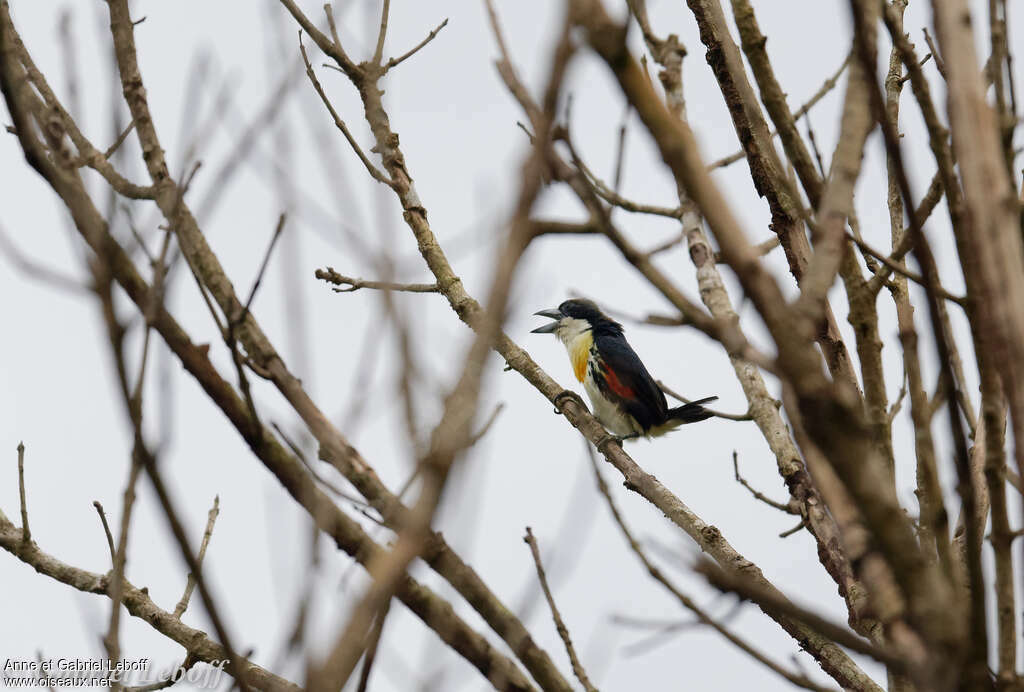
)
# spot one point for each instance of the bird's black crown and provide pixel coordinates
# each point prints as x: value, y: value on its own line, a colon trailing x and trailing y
x: 581, y: 308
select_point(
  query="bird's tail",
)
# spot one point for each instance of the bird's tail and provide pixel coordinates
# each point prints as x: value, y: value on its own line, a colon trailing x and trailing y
x: 691, y: 412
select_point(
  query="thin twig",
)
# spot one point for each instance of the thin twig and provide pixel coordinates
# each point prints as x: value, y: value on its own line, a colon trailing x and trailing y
x: 789, y: 532
x: 620, y: 150
x: 352, y: 284
x: 106, y: 530
x: 729, y: 582
x: 485, y: 428
x: 378, y: 52
x: 371, y: 169
x: 678, y: 239
x: 686, y: 601
x: 394, y: 62
x: 898, y: 404
x: 190, y: 583
x: 939, y: 62
x: 26, y: 534
x: 37, y: 270
x: 266, y: 260
x: 903, y: 271
x: 361, y: 505
x: 814, y: 146
x: 186, y: 665
x: 139, y: 604
x: 761, y: 249
x: 119, y: 141
x: 758, y: 495
x: 563, y: 631
x: 613, y: 198
x: 826, y: 87
x: 371, y: 648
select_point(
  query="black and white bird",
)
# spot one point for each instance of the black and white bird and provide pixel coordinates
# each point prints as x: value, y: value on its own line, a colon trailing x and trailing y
x: 626, y: 399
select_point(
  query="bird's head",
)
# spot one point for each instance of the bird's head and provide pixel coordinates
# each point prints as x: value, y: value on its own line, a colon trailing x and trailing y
x: 575, y: 317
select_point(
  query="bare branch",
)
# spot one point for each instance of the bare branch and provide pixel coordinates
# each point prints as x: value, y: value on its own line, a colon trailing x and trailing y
x: 106, y: 530
x: 788, y: 508
x: 687, y: 602
x: 827, y: 86
x: 37, y: 270
x: 140, y: 605
x: 723, y: 581
x: 211, y: 517
x: 350, y: 284
x: 901, y: 269
x: 266, y: 260
x: 563, y: 631
x: 394, y: 62
x: 378, y: 52
x: 26, y: 533
x: 374, y: 172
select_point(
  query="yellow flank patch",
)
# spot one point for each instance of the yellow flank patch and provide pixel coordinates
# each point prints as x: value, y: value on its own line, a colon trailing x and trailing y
x: 579, y: 353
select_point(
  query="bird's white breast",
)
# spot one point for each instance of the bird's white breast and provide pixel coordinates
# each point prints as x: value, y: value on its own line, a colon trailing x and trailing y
x: 578, y: 338
x: 607, y: 411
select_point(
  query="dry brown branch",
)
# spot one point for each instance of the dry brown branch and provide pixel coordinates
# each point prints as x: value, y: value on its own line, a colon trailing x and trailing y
x: 934, y: 524
x: 772, y: 96
x: 338, y: 122
x: 758, y: 495
x: 725, y: 331
x: 563, y: 631
x: 978, y: 308
x: 394, y: 62
x: 848, y: 445
x: 939, y: 62
x: 350, y: 284
x: 828, y: 85
x: 87, y: 155
x: 26, y: 533
x: 106, y: 530
x: 612, y: 197
x: 994, y: 263
x: 346, y: 534
x: 906, y: 242
x: 763, y: 407
x: 702, y: 616
x: 139, y: 604
x: 37, y: 270
x: 453, y: 432
x: 917, y: 598
x: 371, y: 649
x: 901, y: 269
x: 261, y: 354
x: 762, y: 248
x: 547, y: 227
x: 945, y: 637
x: 834, y: 661
x: 190, y: 584
x: 723, y: 581
x: 767, y: 172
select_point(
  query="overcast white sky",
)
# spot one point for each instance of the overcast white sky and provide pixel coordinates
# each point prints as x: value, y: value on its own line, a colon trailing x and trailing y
x: 458, y: 131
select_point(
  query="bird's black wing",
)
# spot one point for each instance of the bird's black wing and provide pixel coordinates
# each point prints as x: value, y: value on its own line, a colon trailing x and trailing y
x: 625, y: 379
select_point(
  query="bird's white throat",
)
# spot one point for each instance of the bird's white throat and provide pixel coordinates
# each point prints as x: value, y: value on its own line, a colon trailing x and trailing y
x: 577, y: 336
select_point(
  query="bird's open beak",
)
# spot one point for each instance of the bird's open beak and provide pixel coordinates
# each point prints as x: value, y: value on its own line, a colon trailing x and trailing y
x: 554, y: 314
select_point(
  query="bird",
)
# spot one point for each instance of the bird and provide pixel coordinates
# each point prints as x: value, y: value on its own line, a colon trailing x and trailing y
x: 626, y: 399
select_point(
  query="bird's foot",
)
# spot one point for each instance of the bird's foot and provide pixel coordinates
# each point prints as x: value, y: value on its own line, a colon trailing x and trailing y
x: 567, y: 394
x: 614, y: 438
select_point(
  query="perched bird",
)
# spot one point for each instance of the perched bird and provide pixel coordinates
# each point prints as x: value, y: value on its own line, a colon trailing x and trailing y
x: 626, y: 399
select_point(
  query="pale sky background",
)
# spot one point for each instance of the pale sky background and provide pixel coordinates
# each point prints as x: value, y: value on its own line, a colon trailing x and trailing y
x: 458, y: 130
